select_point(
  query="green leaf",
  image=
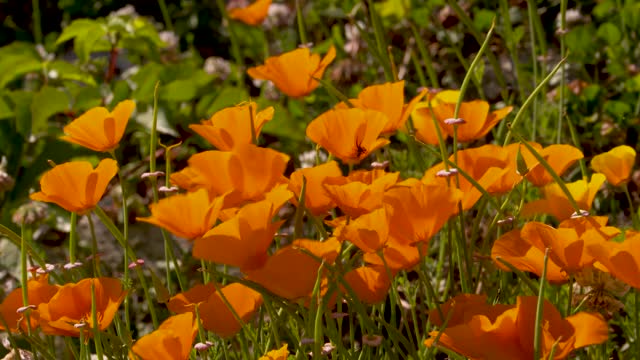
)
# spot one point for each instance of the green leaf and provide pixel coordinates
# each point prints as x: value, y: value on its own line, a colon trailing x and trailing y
x: 70, y: 72
x: 16, y: 60
x: 77, y: 28
x: 145, y: 81
x: 229, y: 96
x: 609, y: 33
x: 185, y: 89
x: 47, y: 102
x: 86, y: 43
x: 22, y: 109
x: 6, y: 112
x: 483, y: 19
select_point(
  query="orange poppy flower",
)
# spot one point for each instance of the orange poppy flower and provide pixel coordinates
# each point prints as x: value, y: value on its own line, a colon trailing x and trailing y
x: 246, y: 173
x: 388, y: 98
x: 231, y: 126
x: 397, y: 256
x: 559, y: 156
x: 616, y: 164
x: 243, y: 240
x: 188, y: 216
x: 423, y: 122
x: 369, y: 232
x: 280, y: 354
x: 293, y: 72
x: 277, y: 275
x: 253, y: 14
x: 370, y: 283
x: 38, y: 291
x: 316, y: 199
x: 349, y: 134
x: 186, y: 301
x: 479, y: 331
x: 71, y: 305
x: 171, y: 341
x: 525, y: 248
x: 98, y: 129
x: 418, y: 212
x: 219, y: 319
x: 76, y: 186
x: 556, y: 203
x: 621, y: 259
x: 361, y: 191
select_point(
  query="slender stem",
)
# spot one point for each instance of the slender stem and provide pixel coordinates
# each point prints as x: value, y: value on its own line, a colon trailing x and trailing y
x: 563, y: 27
x: 73, y: 238
x: 537, y: 337
x: 233, y: 38
x: 634, y: 214
x: 35, y: 17
x: 300, y: 20
x: 534, y: 60
x: 94, y: 320
x: 165, y: 15
x: 94, y: 248
x: 24, y: 277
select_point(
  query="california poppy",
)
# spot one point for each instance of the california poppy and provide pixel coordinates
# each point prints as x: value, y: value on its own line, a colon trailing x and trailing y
x: 559, y: 156
x: 349, y: 134
x: 71, y: 305
x: 253, y: 14
x: 555, y: 201
x: 361, y: 191
x: 479, y: 331
x: 369, y: 232
x: 188, y: 216
x: 246, y: 173
x: 38, y: 291
x: 397, y: 256
x: 279, y: 354
x: 277, y: 275
x: 616, y: 164
x: 316, y: 199
x: 387, y: 98
x: 231, y: 126
x: 621, y: 259
x: 171, y: 341
x: 370, y: 283
x: 76, y: 186
x: 294, y: 72
x: 98, y: 129
x: 219, y: 319
x: 187, y: 300
x: 425, y: 126
x: 418, y: 212
x: 243, y: 240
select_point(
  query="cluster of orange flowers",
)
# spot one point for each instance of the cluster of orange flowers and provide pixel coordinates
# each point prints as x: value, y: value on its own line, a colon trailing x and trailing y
x: 233, y: 195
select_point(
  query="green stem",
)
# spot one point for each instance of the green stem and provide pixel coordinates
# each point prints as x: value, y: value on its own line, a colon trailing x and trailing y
x: 537, y: 337
x: 73, y: 238
x: 563, y: 28
x: 530, y: 99
x: 634, y: 214
x: 94, y: 320
x: 35, y: 16
x: 94, y: 248
x: 300, y: 20
x: 24, y: 277
x: 233, y: 38
x: 534, y: 61
x: 165, y: 15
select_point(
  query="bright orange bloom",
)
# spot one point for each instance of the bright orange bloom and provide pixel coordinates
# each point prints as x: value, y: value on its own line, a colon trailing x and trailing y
x: 72, y: 305
x: 418, y: 212
x: 292, y: 273
x: 397, y: 256
x: 316, y: 199
x: 361, y: 191
x: 280, y: 354
x: 246, y: 173
x: 478, y: 121
x: 188, y: 216
x: 559, y: 156
x: 426, y: 128
x: 369, y: 232
x: 98, y: 129
x: 253, y: 14
x: 621, y: 259
x: 186, y: 301
x: 76, y: 186
x: 616, y: 164
x: 171, y: 341
x: 370, y: 283
x: 219, y: 319
x: 231, y: 126
x: 293, y: 72
x: 556, y: 203
x: 387, y: 98
x: 524, y: 249
x: 243, y: 240
x: 504, y: 332
x: 349, y: 134
x: 38, y: 291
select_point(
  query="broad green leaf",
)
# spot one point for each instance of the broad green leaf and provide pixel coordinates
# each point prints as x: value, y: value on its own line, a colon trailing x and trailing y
x: 6, y: 112
x: 609, y: 33
x: 22, y: 109
x: 79, y: 27
x: 47, y: 102
x: 145, y: 81
x: 229, y: 96
x: 185, y: 89
x: 88, y: 42
x: 70, y: 72
x: 18, y: 59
